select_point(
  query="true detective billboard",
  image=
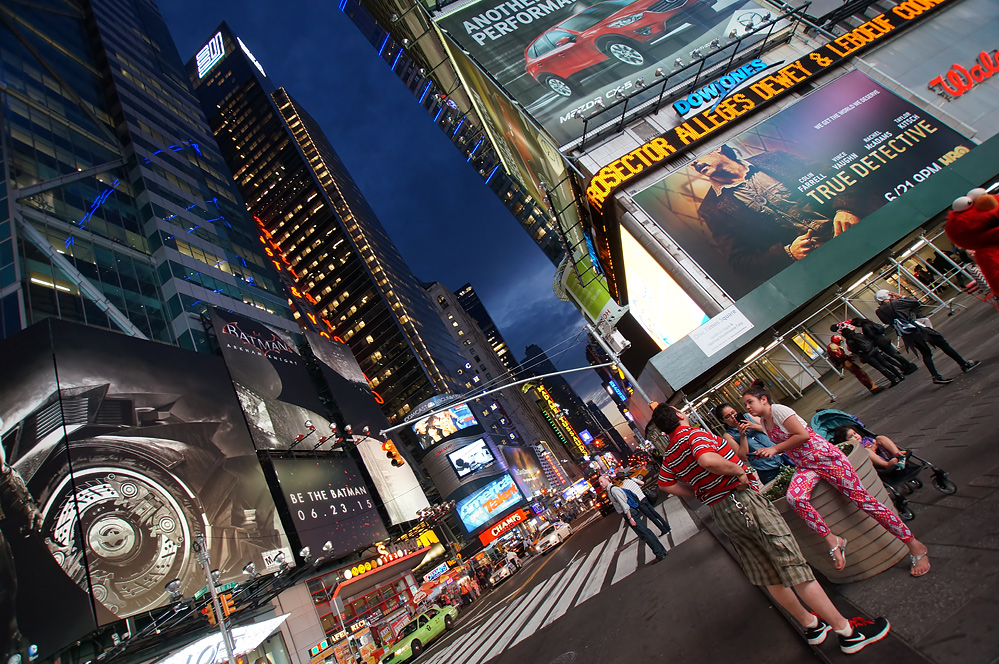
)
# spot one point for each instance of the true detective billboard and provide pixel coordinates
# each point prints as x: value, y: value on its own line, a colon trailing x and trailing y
x: 329, y: 502
x: 790, y: 186
x: 135, y: 448
x: 556, y: 57
x: 951, y: 63
x: 397, y: 486
x: 271, y: 380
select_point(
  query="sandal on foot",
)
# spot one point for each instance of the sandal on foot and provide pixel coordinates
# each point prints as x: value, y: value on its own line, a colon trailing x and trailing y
x: 841, y: 547
x: 914, y: 560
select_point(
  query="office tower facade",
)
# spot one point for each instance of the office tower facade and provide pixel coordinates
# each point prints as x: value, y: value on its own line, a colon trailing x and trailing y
x: 119, y: 211
x: 320, y: 231
x: 470, y: 302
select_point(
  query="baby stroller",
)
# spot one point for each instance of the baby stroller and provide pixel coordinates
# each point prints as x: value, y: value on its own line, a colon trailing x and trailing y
x: 899, y: 482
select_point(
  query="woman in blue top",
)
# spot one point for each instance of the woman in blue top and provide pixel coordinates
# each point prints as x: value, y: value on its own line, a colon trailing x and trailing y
x: 746, y: 435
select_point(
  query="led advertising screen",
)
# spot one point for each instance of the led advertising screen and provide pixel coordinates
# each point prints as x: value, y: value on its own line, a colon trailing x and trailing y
x: 437, y: 427
x: 397, y: 486
x: 471, y: 458
x: 489, y: 502
x: 329, y: 502
x: 274, y: 388
x: 786, y: 189
x: 657, y: 302
x: 526, y: 468
x: 134, y: 450
x: 559, y: 57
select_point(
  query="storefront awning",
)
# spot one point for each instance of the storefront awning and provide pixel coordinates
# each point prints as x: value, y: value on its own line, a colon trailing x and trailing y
x: 359, y: 585
x: 210, y: 649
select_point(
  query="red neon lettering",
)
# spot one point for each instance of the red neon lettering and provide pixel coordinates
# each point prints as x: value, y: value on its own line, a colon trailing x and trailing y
x: 378, y: 398
x: 311, y: 299
x: 277, y: 265
x: 312, y: 317
x: 959, y: 80
x: 292, y: 272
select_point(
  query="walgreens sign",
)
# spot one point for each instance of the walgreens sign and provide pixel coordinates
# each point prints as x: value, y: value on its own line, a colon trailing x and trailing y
x: 959, y: 80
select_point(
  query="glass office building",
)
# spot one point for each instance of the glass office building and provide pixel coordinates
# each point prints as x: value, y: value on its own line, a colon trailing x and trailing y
x: 116, y: 208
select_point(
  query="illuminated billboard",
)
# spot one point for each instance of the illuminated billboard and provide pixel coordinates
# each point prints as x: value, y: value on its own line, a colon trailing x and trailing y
x: 329, y: 502
x: 471, y: 458
x: 134, y: 450
x: 558, y: 57
x: 437, y: 427
x: 487, y: 503
x: 783, y: 192
x: 656, y: 301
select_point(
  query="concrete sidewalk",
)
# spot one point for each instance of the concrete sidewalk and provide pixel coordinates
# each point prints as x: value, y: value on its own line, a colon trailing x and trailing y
x: 948, y: 615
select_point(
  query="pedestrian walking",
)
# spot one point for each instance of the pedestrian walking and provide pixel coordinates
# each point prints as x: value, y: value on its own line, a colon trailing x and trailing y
x: 902, y: 313
x: 840, y: 356
x: 635, y: 486
x: 816, y: 458
x: 697, y: 463
x: 877, y: 335
x: 746, y: 435
x: 868, y: 353
x: 619, y: 499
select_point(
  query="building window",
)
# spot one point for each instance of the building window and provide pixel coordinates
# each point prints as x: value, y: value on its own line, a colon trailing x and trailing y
x: 443, y: 302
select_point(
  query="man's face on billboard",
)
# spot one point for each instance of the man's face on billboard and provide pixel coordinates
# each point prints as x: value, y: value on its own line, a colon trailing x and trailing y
x: 720, y: 169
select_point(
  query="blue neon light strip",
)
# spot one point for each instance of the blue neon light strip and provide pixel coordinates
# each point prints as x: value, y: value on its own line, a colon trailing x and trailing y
x: 384, y: 44
x: 491, y: 174
x: 426, y: 89
x: 396, y: 61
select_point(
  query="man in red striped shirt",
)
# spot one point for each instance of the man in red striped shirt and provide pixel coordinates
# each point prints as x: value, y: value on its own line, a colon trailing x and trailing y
x: 697, y: 463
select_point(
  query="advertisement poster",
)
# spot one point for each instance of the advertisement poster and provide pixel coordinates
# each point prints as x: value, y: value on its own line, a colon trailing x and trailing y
x: 555, y: 57
x: 789, y: 186
x: 471, y: 458
x: 329, y: 502
x: 397, y: 487
x: 271, y: 381
x: 487, y: 503
x: 437, y: 427
x: 133, y: 452
x: 526, y: 467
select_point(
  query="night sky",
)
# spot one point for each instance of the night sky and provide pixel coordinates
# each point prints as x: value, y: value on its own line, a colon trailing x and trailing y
x: 448, y: 225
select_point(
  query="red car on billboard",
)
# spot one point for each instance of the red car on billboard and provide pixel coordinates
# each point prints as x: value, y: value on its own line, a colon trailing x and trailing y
x: 611, y: 31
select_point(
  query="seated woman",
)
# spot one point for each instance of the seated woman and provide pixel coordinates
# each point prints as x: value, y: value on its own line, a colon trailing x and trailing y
x: 745, y: 434
x: 884, y: 454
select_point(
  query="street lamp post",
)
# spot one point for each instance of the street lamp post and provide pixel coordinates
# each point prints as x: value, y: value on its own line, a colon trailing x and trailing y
x: 201, y: 550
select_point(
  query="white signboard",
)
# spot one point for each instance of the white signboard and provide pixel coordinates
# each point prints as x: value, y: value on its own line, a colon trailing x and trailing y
x: 721, y: 330
x: 210, y: 650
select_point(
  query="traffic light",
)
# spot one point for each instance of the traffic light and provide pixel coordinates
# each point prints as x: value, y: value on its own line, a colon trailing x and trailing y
x: 210, y: 614
x: 392, y: 453
x: 228, y: 605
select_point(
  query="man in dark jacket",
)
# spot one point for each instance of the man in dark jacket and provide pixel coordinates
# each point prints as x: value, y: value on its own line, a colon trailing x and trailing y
x: 863, y: 348
x: 759, y: 218
x: 876, y: 333
x: 901, y: 313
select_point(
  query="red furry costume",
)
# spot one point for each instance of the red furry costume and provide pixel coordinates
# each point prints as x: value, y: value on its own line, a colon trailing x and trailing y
x: 973, y: 223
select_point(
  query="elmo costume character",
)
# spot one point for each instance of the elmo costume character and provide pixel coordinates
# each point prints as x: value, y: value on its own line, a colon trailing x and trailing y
x: 973, y: 223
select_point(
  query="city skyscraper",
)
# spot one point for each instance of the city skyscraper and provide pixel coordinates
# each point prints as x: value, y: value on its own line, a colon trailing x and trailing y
x: 320, y: 231
x: 117, y: 209
x: 471, y: 303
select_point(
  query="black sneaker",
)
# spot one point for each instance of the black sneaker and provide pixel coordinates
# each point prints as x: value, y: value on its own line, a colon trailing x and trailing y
x: 864, y: 633
x: 911, y: 369
x: 970, y: 365
x: 940, y: 380
x: 817, y: 635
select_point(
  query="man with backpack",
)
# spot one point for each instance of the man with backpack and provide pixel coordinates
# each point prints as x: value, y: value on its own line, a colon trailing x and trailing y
x: 902, y: 313
x: 634, y: 486
x: 628, y: 508
x: 876, y: 334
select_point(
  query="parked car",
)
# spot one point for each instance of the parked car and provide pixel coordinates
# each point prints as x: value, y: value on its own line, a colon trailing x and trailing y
x: 420, y: 631
x: 614, y: 31
x: 502, y: 573
x: 551, y: 535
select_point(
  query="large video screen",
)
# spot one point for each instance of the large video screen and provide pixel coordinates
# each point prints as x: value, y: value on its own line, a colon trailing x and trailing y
x: 488, y: 502
x: 558, y: 58
x: 783, y: 191
x: 134, y: 450
x: 471, y: 458
x: 656, y: 301
x: 437, y: 427
x: 329, y: 502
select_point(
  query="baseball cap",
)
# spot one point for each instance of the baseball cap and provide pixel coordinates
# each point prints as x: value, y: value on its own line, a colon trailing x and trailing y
x: 883, y: 295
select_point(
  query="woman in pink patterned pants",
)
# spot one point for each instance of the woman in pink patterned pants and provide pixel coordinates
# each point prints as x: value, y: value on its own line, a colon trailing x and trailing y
x: 817, y: 459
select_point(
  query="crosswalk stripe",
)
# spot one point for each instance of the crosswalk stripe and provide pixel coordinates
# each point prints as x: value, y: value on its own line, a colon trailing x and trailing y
x: 627, y: 562
x: 522, y: 616
x: 472, y: 640
x: 557, y: 590
x: 599, y: 572
x: 680, y: 522
x: 570, y: 594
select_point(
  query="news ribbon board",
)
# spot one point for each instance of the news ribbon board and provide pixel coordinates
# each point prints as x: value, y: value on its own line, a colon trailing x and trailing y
x: 738, y: 106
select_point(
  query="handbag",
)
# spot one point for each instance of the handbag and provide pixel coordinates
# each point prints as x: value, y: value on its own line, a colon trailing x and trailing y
x: 632, y: 499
